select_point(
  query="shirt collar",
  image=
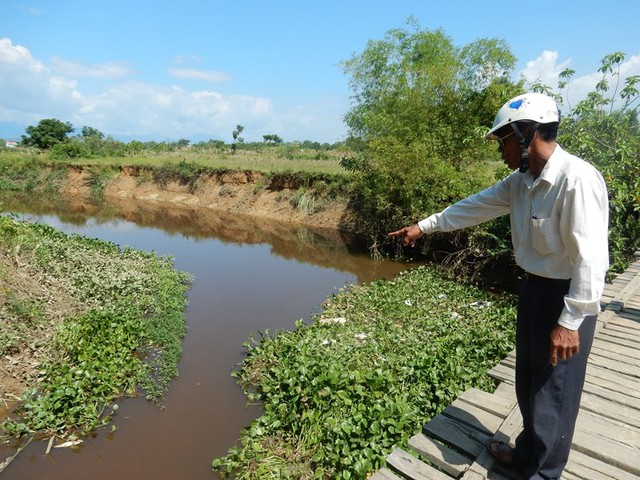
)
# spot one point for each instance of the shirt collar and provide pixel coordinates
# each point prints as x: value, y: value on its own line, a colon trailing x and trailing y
x: 551, y: 170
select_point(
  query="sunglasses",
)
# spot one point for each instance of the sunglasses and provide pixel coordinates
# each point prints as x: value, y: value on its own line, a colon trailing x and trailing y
x: 502, y: 139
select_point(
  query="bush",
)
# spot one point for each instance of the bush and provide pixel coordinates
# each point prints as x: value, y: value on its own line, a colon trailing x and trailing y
x: 69, y: 149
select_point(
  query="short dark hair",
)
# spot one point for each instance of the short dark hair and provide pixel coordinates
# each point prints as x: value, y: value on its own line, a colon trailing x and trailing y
x: 548, y: 131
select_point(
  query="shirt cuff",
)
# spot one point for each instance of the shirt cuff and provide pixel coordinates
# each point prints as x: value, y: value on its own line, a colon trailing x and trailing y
x: 569, y: 321
x: 427, y: 225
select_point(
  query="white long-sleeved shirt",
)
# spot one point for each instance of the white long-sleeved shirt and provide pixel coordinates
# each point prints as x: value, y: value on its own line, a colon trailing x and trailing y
x: 559, y: 226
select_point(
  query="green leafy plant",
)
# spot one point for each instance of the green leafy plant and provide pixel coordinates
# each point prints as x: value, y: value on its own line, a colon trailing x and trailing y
x: 340, y: 393
x: 421, y: 107
x: 120, y: 330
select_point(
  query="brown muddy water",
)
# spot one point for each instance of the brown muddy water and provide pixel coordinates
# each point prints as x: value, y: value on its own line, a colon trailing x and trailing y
x: 250, y: 274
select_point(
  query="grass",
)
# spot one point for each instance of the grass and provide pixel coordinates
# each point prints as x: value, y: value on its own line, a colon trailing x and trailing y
x: 265, y: 160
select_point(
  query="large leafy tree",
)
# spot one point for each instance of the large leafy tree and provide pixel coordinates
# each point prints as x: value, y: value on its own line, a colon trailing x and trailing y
x: 47, y: 133
x: 421, y: 106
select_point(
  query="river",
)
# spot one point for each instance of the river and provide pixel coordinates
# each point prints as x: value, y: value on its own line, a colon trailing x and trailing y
x: 250, y: 275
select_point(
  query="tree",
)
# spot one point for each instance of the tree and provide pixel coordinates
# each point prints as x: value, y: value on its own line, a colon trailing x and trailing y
x: 47, y: 133
x: 272, y: 139
x: 420, y: 109
x: 237, y: 138
x: 90, y: 132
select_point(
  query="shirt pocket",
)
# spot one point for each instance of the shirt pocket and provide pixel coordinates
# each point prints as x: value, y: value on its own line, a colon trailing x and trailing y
x: 545, y: 236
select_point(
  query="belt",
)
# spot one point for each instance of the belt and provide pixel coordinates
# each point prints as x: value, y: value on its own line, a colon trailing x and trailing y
x: 559, y: 282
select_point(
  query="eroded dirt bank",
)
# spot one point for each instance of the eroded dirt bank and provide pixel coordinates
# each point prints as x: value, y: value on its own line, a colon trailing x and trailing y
x: 248, y: 193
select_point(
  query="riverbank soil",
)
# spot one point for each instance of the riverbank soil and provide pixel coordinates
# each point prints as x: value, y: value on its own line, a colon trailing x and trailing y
x: 249, y: 193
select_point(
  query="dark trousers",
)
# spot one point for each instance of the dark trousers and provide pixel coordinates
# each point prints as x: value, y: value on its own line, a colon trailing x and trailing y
x: 548, y: 397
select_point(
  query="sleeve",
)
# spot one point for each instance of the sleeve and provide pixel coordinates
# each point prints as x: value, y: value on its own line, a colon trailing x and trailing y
x: 490, y: 203
x: 586, y: 231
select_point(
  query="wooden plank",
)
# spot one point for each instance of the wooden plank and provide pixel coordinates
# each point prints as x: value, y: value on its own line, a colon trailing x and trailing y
x: 623, y: 352
x: 585, y: 466
x: 620, y: 322
x: 629, y: 290
x: 615, y: 337
x: 447, y: 459
x: 484, y: 467
x: 465, y: 438
x: 413, y: 468
x: 624, y: 331
x: 615, y: 366
x: 612, y: 380
x: 604, y: 407
x: 503, y: 373
x: 631, y: 313
x: 614, y: 397
x: 618, y: 356
x: 473, y: 416
x: 507, y: 391
x: 384, y: 474
x: 491, y: 476
x: 614, y: 444
x: 496, y: 404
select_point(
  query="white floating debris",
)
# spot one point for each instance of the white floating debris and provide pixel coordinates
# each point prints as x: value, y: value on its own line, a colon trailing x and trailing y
x: 408, y: 303
x: 70, y: 443
x: 480, y: 304
x: 333, y: 320
x: 442, y: 296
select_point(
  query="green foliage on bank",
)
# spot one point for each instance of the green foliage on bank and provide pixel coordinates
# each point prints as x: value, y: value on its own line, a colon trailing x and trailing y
x: 340, y: 393
x: 421, y: 108
x: 117, y: 326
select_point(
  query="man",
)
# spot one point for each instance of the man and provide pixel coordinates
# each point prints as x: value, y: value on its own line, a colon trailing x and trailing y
x: 558, y: 208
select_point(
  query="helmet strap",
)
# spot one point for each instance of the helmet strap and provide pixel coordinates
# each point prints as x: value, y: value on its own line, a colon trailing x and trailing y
x: 524, y: 144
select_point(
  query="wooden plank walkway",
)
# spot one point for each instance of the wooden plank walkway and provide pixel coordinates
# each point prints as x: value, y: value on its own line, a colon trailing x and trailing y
x: 606, y: 443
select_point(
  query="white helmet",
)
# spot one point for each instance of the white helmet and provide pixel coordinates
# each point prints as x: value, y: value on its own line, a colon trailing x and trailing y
x: 533, y: 107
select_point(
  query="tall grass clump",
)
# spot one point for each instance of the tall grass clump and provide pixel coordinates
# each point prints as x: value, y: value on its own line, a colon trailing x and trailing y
x: 26, y: 172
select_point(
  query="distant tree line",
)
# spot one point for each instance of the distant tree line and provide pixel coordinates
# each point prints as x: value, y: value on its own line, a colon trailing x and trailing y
x: 55, y: 136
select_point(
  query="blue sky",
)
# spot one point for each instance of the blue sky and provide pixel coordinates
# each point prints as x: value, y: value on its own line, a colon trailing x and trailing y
x: 162, y: 70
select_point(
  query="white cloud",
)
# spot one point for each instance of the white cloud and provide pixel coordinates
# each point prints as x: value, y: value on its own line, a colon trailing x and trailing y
x: 546, y: 69
x: 207, y: 75
x: 185, y: 59
x: 81, y: 69
x: 31, y: 90
x: 31, y: 10
x: 28, y: 88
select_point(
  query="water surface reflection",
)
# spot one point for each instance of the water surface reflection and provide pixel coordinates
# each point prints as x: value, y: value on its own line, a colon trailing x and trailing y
x: 250, y: 274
